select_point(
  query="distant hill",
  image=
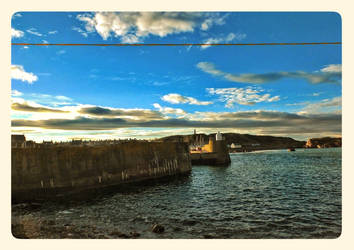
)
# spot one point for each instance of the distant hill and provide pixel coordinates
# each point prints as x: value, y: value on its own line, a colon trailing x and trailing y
x: 247, y: 141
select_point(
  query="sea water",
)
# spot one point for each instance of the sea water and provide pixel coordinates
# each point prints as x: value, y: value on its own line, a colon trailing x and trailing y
x: 265, y: 194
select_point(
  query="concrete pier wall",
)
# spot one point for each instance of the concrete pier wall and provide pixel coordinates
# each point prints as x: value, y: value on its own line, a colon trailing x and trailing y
x: 40, y: 171
x: 220, y: 156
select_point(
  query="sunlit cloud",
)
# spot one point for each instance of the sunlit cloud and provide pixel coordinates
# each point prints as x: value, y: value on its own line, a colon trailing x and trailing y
x: 177, y: 99
x: 41, y: 99
x: 19, y: 73
x: 325, y: 105
x: 86, y: 121
x: 169, y: 110
x: 133, y: 27
x: 28, y: 108
x: 288, y: 123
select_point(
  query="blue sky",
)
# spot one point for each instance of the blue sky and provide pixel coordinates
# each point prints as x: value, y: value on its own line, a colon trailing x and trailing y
x: 66, y: 92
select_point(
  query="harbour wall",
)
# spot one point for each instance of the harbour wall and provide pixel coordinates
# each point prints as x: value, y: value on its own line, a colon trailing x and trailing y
x: 219, y: 156
x: 54, y: 171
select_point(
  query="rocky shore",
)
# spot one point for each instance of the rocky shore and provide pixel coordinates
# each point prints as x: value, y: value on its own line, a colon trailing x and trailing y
x: 26, y: 225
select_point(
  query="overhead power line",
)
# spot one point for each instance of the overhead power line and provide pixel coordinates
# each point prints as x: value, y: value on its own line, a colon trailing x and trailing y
x: 172, y: 44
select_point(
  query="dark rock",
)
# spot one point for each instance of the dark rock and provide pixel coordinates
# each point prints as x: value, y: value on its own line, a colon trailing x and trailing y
x: 157, y: 228
x: 119, y: 234
x: 189, y: 222
x: 35, y: 205
x: 18, y: 231
x: 134, y: 234
x: 177, y: 229
x: 208, y: 236
x: 50, y: 222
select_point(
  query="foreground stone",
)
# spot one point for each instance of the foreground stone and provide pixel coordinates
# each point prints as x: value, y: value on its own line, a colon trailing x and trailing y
x: 156, y: 228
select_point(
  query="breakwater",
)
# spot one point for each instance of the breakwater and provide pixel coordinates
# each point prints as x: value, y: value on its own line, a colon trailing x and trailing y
x: 217, y: 154
x: 53, y: 171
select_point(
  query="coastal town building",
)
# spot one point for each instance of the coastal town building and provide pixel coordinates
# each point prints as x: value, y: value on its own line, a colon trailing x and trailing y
x: 18, y: 141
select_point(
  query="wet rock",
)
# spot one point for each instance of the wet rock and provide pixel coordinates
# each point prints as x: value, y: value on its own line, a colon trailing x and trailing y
x: 189, y: 222
x: 177, y: 229
x: 27, y: 206
x: 35, y: 205
x: 157, y: 228
x: 91, y: 236
x: 134, y: 234
x: 119, y: 234
x: 18, y: 231
x: 208, y: 236
x: 50, y: 222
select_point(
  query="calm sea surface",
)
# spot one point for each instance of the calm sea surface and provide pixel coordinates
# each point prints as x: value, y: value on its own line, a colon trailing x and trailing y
x: 268, y: 194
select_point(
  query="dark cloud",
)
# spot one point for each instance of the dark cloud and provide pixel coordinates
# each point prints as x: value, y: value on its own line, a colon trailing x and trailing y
x: 80, y: 123
x: 138, y: 113
x: 280, y: 122
x: 260, y: 115
x: 28, y: 108
x: 329, y: 74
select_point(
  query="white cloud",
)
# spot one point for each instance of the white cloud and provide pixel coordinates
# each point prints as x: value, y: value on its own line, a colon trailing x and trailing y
x: 34, y: 32
x: 130, y: 38
x: 18, y: 73
x: 45, y: 99
x: 81, y: 31
x: 14, y: 92
x: 63, y: 98
x: 209, y: 68
x: 17, y: 15
x: 223, y: 39
x: 169, y: 111
x: 332, y: 68
x: 177, y: 98
x: 214, y: 19
x: 131, y: 26
x: 61, y: 52
x: 242, y: 96
x: 325, y: 105
x: 52, y: 32
x: 16, y: 33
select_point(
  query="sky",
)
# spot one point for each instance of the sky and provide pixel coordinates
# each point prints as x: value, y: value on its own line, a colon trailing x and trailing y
x: 62, y: 93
